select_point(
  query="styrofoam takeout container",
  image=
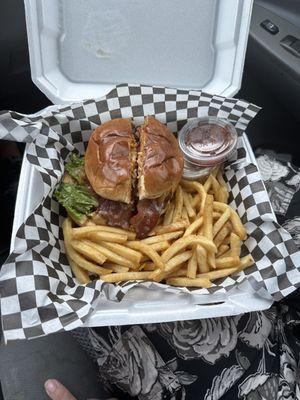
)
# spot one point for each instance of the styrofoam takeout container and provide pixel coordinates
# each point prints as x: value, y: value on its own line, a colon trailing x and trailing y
x: 82, y: 48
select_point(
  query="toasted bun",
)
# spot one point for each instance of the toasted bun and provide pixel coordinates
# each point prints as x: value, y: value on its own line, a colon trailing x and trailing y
x: 110, y: 160
x: 160, y: 161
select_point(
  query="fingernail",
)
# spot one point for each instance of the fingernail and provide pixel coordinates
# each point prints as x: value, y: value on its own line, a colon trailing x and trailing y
x: 50, y: 386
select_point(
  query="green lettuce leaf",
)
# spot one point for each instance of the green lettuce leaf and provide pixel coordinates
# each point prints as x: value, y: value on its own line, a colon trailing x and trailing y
x: 75, y: 167
x: 76, y: 199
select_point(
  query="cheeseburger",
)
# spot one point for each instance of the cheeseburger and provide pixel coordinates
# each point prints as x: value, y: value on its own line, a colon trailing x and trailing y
x: 126, y: 178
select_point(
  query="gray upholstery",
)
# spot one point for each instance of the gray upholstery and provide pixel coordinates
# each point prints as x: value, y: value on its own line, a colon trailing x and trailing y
x: 26, y: 365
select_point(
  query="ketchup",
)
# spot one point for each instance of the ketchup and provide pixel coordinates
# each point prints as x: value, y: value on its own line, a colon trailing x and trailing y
x: 206, y: 142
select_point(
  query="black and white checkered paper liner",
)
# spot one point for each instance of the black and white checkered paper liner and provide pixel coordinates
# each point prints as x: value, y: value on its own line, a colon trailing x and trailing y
x: 38, y: 292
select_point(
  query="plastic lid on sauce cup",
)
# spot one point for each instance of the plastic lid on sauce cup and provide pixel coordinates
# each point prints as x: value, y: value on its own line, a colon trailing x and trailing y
x: 206, y: 142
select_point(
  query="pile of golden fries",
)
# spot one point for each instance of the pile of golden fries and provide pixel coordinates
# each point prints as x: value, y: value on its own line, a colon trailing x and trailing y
x: 197, y: 240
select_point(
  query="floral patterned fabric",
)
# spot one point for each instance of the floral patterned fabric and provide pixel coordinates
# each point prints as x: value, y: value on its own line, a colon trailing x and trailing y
x: 255, y: 356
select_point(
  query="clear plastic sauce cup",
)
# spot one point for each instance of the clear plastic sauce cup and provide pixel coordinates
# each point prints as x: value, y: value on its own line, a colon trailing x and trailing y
x: 205, y: 143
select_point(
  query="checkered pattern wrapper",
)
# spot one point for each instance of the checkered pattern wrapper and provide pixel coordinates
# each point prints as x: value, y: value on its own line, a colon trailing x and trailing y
x: 38, y: 292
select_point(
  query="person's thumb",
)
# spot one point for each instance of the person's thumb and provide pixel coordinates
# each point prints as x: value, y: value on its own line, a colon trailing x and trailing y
x: 56, y: 391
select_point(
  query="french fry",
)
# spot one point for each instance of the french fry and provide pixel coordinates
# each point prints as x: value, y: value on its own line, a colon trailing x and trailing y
x: 227, y: 262
x: 178, y: 260
x: 216, y: 215
x: 146, y: 259
x: 198, y: 188
x: 76, y: 257
x: 208, y: 183
x: 187, y: 203
x: 193, y: 227
x: 208, y: 218
x: 200, y: 230
x: 235, y: 245
x: 221, y: 221
x: 180, y: 272
x: 160, y: 246
x: 192, y: 265
x: 106, y: 236
x: 238, y: 227
x: 203, y: 199
x: 184, y: 216
x: 222, y: 195
x: 218, y: 273
x: 220, y: 207
x: 173, y: 227
x: 80, y: 274
x: 187, y: 282
x: 148, y: 251
x: 173, y: 264
x: 246, y: 262
x: 218, y: 195
x: 226, y: 254
x: 223, y: 249
x: 88, y: 251
x: 202, y: 259
x: 188, y: 189
x: 147, y: 266
x: 111, y: 255
x: 220, y: 237
x: 208, y: 227
x: 196, y: 202
x: 215, y: 185
x: 85, y: 264
x: 130, y: 235
x: 178, y: 204
x: 227, y: 238
x: 126, y: 276
x: 187, y: 241
x: 168, y: 217
x: 115, y: 267
x: 162, y: 238
x: 221, y: 179
x: 132, y: 255
x: 79, y: 233
x: 67, y: 230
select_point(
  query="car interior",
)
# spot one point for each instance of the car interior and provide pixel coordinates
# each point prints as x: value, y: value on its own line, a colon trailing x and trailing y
x: 271, y: 80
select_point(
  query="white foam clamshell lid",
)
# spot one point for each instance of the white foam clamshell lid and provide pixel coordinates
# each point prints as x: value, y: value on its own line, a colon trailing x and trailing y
x: 80, y: 49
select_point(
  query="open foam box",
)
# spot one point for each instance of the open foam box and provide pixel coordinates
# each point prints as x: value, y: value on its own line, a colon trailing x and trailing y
x: 81, y: 49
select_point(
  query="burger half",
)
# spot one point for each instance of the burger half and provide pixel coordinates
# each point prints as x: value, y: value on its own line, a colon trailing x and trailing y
x: 126, y: 178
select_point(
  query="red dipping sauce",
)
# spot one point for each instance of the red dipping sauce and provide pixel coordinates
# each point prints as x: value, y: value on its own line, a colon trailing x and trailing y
x: 206, y: 142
